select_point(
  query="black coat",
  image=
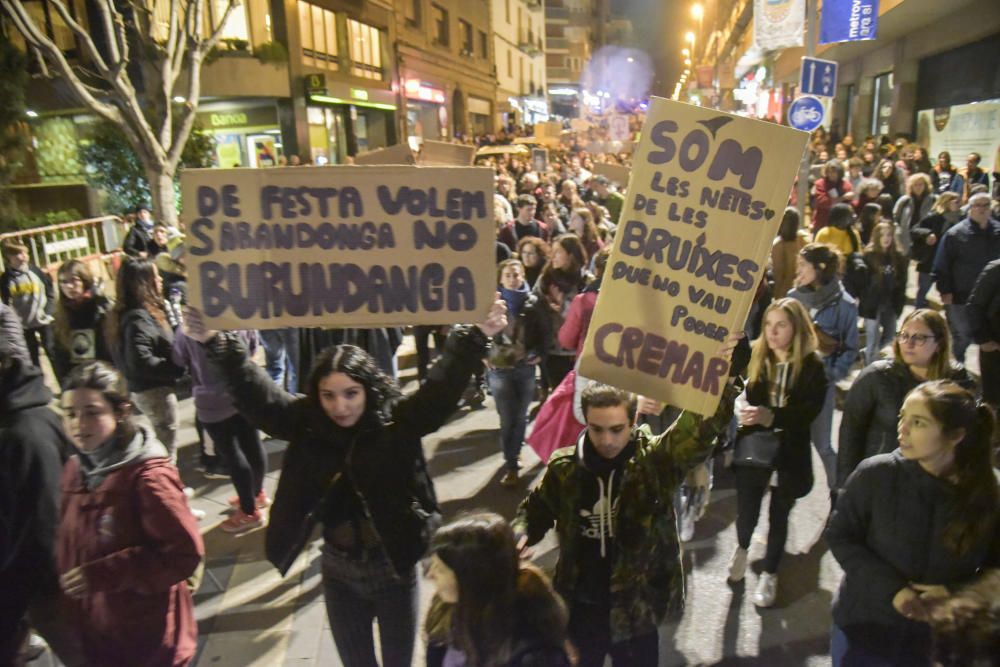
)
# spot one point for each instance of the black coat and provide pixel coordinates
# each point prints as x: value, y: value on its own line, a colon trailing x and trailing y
x: 886, y: 532
x: 138, y: 240
x: 984, y: 305
x: 871, y: 411
x: 33, y: 447
x: 935, y: 224
x: 147, y: 352
x: 805, y: 401
x: 886, y: 284
x: 85, y: 324
x: 383, y: 462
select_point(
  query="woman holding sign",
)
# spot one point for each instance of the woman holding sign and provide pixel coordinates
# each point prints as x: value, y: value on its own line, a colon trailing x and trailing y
x: 355, y: 464
x: 785, y: 391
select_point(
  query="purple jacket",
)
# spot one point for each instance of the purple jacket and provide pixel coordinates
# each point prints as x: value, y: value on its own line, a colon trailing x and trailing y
x: 212, y: 403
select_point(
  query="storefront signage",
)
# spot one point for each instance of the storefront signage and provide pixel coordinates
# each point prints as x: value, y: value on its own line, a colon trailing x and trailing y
x: 359, y: 94
x: 385, y: 246
x: 227, y: 119
x: 315, y: 83
x: 705, y: 200
x: 963, y: 129
x: 236, y: 117
x: 778, y: 24
x: 848, y: 21
x: 418, y: 90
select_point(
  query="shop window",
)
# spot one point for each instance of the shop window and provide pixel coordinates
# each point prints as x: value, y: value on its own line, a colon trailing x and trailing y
x: 465, y: 30
x: 318, y: 34
x: 440, y: 35
x: 412, y: 13
x: 366, y: 50
x: 882, y: 104
x: 484, y: 45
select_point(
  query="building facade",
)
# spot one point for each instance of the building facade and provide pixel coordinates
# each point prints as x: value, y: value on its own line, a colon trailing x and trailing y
x: 574, y: 30
x: 519, y: 53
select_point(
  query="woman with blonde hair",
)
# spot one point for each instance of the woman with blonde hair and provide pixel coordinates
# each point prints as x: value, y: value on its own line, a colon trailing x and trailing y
x: 912, y: 207
x: 785, y: 391
x: 944, y: 213
x: 921, y: 352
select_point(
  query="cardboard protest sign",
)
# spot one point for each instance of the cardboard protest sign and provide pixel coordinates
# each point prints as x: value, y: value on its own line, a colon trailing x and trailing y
x: 444, y: 154
x: 398, y: 154
x: 340, y: 246
x: 704, y: 203
x: 616, y: 173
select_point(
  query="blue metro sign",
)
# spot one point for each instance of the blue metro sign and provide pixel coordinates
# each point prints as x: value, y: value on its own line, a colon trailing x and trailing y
x: 818, y: 77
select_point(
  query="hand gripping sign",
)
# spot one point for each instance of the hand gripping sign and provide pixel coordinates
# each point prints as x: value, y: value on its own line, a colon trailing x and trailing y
x: 340, y: 246
x: 705, y: 199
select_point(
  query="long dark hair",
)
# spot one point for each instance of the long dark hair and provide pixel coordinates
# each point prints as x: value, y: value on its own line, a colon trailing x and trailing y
x: 570, y: 278
x: 976, y: 493
x: 105, y: 379
x: 355, y: 363
x: 73, y: 268
x: 481, y: 551
x: 136, y: 289
x: 791, y: 221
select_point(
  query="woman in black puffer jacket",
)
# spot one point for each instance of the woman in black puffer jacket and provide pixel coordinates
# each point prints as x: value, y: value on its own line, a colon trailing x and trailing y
x: 922, y: 352
x: 355, y: 464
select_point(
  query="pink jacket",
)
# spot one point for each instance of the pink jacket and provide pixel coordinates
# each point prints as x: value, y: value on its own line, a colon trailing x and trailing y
x: 137, y: 542
x: 574, y: 328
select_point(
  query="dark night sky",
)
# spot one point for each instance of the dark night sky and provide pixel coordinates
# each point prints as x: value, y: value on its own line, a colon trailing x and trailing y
x: 659, y: 28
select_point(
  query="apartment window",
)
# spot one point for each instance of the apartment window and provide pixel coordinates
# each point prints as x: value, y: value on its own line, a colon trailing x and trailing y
x: 484, y: 45
x: 412, y: 12
x: 236, y: 25
x: 440, y: 35
x: 366, y: 50
x: 465, y: 30
x: 318, y: 29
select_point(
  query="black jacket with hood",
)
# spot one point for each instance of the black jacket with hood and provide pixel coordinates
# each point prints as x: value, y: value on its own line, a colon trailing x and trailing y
x: 33, y: 447
x: 147, y: 352
x: 379, y: 465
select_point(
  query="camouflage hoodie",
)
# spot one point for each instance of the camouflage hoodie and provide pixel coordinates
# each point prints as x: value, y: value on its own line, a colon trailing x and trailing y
x: 647, y: 579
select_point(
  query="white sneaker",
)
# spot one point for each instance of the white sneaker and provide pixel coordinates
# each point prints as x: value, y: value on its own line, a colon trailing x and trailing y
x: 197, y: 513
x: 767, y: 590
x: 738, y: 565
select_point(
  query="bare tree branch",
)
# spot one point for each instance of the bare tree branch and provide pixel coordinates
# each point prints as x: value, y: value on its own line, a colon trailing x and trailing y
x: 81, y: 34
x: 213, y: 39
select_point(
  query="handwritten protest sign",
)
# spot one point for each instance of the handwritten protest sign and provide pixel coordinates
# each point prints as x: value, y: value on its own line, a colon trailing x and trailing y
x: 540, y: 160
x: 616, y: 173
x: 705, y: 200
x: 340, y: 246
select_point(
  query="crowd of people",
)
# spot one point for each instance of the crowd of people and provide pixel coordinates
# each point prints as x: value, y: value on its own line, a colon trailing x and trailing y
x: 101, y: 552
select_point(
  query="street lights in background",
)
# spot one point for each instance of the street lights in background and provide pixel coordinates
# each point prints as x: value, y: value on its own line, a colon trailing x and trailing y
x: 698, y: 13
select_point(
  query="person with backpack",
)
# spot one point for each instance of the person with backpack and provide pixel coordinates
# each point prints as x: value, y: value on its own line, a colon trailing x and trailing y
x: 841, y: 235
x: 834, y: 313
x: 881, y: 302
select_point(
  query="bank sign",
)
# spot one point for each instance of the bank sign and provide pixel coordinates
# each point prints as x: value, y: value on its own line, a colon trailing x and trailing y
x: 848, y: 21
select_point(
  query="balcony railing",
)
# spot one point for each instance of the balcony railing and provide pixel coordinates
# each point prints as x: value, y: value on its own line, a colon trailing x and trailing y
x: 55, y: 244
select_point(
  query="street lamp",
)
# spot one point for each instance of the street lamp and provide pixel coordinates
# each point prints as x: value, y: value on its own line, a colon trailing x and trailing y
x: 697, y: 12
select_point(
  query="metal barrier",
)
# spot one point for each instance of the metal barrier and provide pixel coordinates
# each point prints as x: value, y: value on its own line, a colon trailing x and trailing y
x: 84, y: 239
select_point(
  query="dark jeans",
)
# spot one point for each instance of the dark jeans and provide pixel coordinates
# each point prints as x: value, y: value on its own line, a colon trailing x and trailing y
x: 556, y: 368
x: 360, y: 590
x: 989, y: 370
x: 879, y: 331
x: 512, y: 389
x: 751, y: 483
x: 39, y: 337
x: 924, y: 282
x: 239, y: 443
x: 281, y: 356
x: 958, y: 324
x: 590, y: 632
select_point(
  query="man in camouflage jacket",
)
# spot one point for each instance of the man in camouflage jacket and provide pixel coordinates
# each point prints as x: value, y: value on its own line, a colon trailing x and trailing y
x: 610, y: 498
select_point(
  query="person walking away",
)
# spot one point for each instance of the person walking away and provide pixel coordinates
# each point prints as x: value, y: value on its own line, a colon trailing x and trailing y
x: 912, y: 525
x: 921, y: 353
x: 513, y: 360
x: 983, y: 311
x: 127, y: 540
x: 504, y: 611
x: 881, y: 303
x: 355, y: 463
x: 139, y: 329
x: 834, y: 314
x: 785, y: 391
x: 963, y: 252
x: 787, y: 244
x: 79, y: 324
x: 839, y: 232
x: 29, y: 292
x: 619, y: 563
x: 231, y: 434
x: 926, y: 234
